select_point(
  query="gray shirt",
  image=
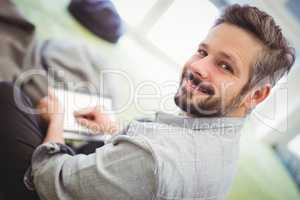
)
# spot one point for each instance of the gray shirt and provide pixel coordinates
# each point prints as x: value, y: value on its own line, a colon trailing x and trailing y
x: 169, y: 157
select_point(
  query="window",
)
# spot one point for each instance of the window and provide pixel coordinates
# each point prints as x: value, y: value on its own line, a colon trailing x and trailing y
x: 172, y: 28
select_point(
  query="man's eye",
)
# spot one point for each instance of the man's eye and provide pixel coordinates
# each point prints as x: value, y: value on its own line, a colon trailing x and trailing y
x: 226, y: 67
x: 202, y: 52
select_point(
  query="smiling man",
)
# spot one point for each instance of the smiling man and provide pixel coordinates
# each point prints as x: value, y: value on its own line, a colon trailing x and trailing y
x: 235, y: 66
x: 189, y: 156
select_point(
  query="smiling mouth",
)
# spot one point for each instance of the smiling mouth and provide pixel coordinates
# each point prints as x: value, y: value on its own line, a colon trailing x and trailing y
x: 197, y: 85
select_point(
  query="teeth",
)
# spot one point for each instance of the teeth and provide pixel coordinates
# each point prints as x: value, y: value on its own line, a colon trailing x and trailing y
x: 192, y: 84
x: 199, y: 88
x: 196, y: 82
x: 202, y: 90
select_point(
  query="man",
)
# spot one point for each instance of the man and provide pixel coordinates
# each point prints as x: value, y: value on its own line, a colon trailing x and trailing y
x: 192, y: 156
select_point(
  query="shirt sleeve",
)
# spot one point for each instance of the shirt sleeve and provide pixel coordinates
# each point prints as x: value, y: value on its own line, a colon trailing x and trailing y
x: 115, y: 171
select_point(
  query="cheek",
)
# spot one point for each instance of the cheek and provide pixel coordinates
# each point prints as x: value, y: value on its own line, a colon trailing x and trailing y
x: 228, y: 89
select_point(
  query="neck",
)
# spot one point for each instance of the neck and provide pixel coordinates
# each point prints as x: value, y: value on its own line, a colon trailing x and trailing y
x: 238, y: 113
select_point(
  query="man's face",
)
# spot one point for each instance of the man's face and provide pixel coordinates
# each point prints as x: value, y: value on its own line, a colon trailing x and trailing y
x: 213, y: 78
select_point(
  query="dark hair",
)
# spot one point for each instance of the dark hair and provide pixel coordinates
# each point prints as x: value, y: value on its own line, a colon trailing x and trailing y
x: 277, y: 57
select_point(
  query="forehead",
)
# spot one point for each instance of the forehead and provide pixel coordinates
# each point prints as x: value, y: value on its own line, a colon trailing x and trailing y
x: 240, y: 44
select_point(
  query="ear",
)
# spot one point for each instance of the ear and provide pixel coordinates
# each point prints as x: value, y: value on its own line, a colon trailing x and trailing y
x: 258, y: 95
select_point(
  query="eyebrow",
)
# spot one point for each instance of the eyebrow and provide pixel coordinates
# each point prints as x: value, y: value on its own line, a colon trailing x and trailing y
x: 224, y: 55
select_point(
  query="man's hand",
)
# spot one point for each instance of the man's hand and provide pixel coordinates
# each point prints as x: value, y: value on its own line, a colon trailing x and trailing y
x: 50, y: 108
x: 51, y: 111
x: 94, y: 119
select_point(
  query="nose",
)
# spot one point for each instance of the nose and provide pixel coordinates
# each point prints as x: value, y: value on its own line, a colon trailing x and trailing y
x: 202, y: 67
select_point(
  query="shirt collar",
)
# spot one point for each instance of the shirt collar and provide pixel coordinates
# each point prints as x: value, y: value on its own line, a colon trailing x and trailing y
x: 201, y: 123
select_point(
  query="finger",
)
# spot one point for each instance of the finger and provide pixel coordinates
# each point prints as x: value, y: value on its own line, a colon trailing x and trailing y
x: 84, y: 111
x: 83, y: 121
x: 43, y: 103
x: 90, y: 117
x: 94, y: 127
x: 51, y: 94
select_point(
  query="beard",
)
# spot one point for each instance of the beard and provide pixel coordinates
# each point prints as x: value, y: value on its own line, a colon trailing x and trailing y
x: 202, y: 100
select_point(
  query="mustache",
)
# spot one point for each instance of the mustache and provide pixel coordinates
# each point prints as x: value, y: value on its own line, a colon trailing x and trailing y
x: 203, y: 87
